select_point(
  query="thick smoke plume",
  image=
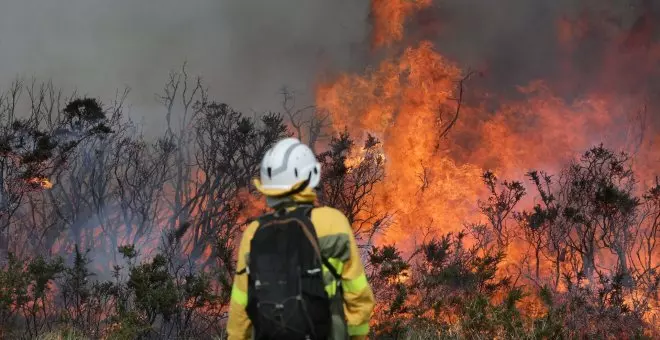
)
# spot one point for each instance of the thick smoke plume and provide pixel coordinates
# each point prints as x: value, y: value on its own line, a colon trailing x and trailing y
x: 519, y: 41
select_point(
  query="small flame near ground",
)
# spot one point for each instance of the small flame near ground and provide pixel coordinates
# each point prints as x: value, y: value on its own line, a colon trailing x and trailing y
x: 42, y: 182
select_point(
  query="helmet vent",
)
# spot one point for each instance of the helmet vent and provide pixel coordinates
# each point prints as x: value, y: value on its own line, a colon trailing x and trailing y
x: 270, y: 171
x: 316, y: 171
x: 295, y: 171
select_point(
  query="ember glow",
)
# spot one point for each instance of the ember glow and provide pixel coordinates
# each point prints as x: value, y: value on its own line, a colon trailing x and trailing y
x: 42, y: 182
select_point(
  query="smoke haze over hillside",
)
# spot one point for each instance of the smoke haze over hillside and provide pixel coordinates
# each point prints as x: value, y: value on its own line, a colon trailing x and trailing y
x: 245, y: 50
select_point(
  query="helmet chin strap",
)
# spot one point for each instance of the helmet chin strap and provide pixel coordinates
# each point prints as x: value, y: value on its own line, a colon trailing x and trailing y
x: 296, y: 189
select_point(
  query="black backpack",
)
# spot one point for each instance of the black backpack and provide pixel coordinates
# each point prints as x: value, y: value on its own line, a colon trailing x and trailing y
x: 286, y: 291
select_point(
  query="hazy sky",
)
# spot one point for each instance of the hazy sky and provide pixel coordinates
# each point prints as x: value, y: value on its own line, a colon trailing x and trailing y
x: 245, y: 49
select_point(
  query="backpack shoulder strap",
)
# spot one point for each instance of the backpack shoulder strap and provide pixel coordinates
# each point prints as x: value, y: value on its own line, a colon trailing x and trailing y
x: 261, y: 220
x: 305, y: 212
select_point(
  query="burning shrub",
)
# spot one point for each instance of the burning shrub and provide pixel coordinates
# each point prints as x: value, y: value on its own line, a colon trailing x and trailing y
x: 350, y: 175
x: 37, y: 145
x: 450, y: 290
x: 446, y: 289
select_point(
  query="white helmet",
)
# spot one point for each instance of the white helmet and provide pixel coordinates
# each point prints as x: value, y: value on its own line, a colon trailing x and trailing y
x: 287, y: 167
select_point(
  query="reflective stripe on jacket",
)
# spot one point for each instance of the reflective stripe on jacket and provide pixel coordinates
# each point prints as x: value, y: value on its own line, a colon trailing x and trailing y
x: 337, y: 244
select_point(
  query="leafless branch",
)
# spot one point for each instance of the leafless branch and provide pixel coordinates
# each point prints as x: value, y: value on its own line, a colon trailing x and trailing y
x: 459, y: 103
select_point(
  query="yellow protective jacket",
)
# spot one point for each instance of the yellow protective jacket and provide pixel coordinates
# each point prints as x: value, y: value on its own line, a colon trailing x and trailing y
x: 337, y: 244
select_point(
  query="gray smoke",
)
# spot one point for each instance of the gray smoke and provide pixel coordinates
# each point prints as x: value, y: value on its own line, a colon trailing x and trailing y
x: 516, y: 40
x: 246, y: 50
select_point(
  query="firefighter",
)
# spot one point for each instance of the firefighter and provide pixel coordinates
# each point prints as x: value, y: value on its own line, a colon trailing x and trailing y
x: 289, y: 175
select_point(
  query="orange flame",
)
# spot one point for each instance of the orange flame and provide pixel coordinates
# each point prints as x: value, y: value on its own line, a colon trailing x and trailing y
x: 390, y: 16
x: 433, y: 181
x: 402, y: 102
